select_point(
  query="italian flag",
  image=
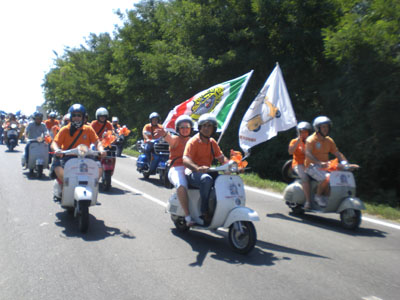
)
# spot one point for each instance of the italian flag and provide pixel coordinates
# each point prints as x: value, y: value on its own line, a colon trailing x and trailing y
x: 220, y: 100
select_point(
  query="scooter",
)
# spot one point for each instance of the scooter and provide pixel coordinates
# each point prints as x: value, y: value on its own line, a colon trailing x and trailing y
x: 80, y: 187
x: 12, y: 137
x: 342, y: 198
x: 157, y: 162
x: 108, y: 165
x: 227, y: 207
x: 38, y: 157
x: 119, y: 143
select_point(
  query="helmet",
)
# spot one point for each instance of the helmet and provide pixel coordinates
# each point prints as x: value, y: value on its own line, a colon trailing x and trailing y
x: 115, y: 119
x: 154, y: 115
x: 52, y: 115
x: 37, y: 114
x: 303, y: 126
x: 77, y: 108
x: 318, y: 121
x: 204, y: 118
x: 67, y: 117
x: 101, y: 112
x: 181, y: 119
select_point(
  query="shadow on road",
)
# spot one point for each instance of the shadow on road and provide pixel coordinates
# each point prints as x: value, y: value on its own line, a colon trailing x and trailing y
x: 154, y: 180
x: 204, y: 243
x: 329, y: 224
x: 114, y: 191
x: 34, y: 177
x: 97, y: 228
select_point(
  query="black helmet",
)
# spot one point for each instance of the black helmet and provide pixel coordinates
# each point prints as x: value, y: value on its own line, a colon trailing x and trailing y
x: 38, y: 114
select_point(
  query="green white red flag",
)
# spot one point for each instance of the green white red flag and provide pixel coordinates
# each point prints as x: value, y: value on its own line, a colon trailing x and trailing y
x: 220, y: 100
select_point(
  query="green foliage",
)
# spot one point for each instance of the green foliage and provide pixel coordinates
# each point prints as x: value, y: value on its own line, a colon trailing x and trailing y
x: 339, y: 58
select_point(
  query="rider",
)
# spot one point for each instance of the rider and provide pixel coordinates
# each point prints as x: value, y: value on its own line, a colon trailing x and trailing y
x: 7, y: 125
x: 101, y: 125
x: 72, y: 135
x: 176, y: 174
x: 115, y: 124
x: 297, y: 148
x: 34, y: 130
x: 66, y: 119
x: 2, y: 122
x: 51, y: 121
x: 198, y: 155
x: 148, y: 133
x: 318, y: 147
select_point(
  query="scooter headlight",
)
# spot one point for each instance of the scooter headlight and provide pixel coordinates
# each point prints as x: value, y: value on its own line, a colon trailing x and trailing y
x: 82, y: 150
x: 233, y: 167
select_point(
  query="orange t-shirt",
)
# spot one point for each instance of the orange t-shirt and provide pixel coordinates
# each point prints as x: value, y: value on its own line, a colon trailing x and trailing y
x: 299, y: 154
x: 320, y: 148
x: 63, y: 139
x: 96, y: 125
x: 50, y: 123
x: 176, y: 152
x: 200, y: 152
x: 148, y: 128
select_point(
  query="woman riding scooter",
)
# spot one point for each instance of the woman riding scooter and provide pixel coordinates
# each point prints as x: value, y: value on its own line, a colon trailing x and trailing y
x: 176, y: 174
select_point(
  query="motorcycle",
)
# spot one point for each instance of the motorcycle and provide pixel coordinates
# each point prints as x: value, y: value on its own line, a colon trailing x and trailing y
x: 158, y: 160
x: 227, y: 207
x: 342, y: 198
x: 80, y: 187
x: 38, y: 158
x: 108, y: 165
x: 12, y: 136
x: 119, y: 144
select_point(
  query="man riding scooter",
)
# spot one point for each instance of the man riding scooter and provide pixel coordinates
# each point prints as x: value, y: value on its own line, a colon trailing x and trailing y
x: 101, y: 124
x: 72, y: 135
x: 149, y: 131
x: 318, y: 147
x: 34, y: 130
x: 198, y: 155
x: 51, y: 121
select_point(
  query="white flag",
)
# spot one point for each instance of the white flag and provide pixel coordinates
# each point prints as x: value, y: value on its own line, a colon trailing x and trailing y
x: 270, y: 112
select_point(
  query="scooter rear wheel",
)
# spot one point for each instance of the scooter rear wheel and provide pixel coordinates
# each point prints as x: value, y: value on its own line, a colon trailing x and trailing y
x: 244, y: 242
x: 107, y: 180
x: 39, y: 171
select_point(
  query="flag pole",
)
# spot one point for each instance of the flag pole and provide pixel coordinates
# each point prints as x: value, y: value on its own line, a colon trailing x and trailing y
x: 234, y: 108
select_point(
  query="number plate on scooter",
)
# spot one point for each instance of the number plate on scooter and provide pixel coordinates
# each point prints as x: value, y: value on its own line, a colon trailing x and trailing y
x: 339, y: 178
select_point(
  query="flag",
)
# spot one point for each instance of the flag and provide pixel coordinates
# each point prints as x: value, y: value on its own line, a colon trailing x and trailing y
x: 220, y: 100
x: 270, y: 112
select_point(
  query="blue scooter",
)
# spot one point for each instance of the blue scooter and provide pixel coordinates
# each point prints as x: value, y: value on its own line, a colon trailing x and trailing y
x: 158, y: 160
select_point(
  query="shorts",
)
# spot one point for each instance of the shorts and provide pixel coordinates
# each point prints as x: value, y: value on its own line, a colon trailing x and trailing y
x: 300, y: 170
x: 316, y: 173
x: 177, y: 177
x: 60, y: 162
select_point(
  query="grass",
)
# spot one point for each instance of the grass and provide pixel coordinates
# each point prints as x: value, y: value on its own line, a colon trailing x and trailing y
x: 252, y: 179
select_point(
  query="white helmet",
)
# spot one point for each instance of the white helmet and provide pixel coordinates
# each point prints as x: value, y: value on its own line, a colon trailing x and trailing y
x: 204, y: 118
x: 115, y: 119
x: 303, y: 126
x: 318, y: 121
x: 101, y: 112
x: 181, y: 119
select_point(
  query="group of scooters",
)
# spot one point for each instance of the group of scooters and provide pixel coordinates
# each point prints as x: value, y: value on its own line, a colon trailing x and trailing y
x: 227, y: 200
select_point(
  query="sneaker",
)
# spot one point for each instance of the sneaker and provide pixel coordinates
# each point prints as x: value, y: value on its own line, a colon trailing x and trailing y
x: 189, y: 221
x: 320, y: 200
x: 307, y: 206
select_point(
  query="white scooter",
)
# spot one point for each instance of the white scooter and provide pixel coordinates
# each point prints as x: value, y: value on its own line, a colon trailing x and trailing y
x: 227, y: 206
x: 342, y: 198
x: 12, y: 136
x: 80, y: 186
x: 38, y: 159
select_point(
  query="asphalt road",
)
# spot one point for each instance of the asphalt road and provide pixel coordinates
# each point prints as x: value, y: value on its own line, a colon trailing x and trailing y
x: 132, y: 250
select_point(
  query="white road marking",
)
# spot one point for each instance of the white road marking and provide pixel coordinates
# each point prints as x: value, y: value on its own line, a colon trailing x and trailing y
x: 136, y: 191
x: 280, y: 197
x: 371, y: 298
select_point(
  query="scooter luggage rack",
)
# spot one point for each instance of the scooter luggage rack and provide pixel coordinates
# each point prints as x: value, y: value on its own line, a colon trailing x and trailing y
x: 161, y: 148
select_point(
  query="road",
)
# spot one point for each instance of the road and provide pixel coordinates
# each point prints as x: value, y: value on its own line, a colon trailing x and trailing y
x: 132, y: 250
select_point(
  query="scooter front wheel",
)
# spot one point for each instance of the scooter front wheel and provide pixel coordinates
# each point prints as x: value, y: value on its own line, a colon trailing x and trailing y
x: 83, y: 218
x: 350, y: 218
x: 242, y: 236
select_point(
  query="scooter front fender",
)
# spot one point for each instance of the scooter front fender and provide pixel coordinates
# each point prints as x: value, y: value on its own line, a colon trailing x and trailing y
x: 241, y: 214
x: 351, y: 203
x: 82, y: 193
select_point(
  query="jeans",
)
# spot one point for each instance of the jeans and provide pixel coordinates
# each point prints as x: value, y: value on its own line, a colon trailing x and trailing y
x: 27, y: 152
x: 204, y: 182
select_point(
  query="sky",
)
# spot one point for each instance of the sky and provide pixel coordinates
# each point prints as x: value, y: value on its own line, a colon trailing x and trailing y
x: 31, y: 30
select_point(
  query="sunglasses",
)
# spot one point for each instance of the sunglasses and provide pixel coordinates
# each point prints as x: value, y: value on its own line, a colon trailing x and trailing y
x: 76, y: 115
x: 185, y: 127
